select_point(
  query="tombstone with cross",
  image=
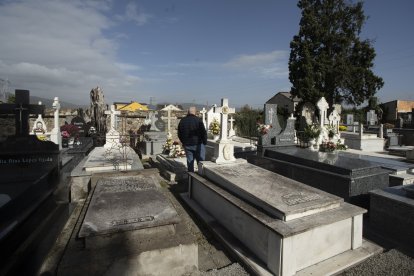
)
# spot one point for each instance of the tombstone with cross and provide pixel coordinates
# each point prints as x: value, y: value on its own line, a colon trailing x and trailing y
x: 203, y: 114
x: 169, y: 118
x: 55, y: 135
x: 276, y: 136
x: 112, y: 136
x: 22, y: 110
x: 224, y: 148
x: 231, y: 130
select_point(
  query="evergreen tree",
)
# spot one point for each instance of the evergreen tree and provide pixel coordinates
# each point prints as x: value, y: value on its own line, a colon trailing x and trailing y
x: 328, y: 58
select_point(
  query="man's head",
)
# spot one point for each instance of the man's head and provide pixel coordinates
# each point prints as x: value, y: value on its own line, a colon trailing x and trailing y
x: 192, y: 110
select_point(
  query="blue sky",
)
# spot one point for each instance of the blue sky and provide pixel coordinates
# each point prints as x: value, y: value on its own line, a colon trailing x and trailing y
x: 179, y: 51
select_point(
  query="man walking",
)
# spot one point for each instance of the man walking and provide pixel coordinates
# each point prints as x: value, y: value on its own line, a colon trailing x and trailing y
x: 193, y: 136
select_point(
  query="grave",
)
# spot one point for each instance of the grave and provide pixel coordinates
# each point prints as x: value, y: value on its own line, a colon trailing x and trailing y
x: 155, y: 138
x: 130, y: 228
x: 29, y: 168
x: 346, y: 177
x: 363, y: 141
x: 277, y: 225
x: 224, y: 148
x: 350, y: 122
x: 173, y: 169
x: 115, y: 155
x: 392, y: 213
x: 275, y: 135
x: 80, y: 123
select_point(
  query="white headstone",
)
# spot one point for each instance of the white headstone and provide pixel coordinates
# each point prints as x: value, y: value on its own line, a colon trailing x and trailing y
x: 55, y: 135
x: 334, y: 119
x: 231, y: 131
x: 323, y: 106
x: 203, y: 113
x: 169, y: 118
x: 224, y: 149
x: 112, y: 136
x: 113, y: 112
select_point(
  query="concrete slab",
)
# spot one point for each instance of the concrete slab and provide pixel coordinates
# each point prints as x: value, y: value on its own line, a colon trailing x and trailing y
x: 285, y: 247
x: 282, y: 197
x: 126, y: 203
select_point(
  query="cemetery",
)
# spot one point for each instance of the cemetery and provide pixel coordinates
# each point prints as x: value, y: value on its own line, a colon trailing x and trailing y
x: 286, y: 192
x: 130, y: 147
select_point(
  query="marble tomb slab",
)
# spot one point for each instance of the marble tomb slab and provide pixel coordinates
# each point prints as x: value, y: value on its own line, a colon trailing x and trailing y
x: 104, y: 159
x: 280, y: 196
x: 127, y: 203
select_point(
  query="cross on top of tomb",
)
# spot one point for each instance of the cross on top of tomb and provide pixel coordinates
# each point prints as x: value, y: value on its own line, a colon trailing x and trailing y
x: 323, y: 106
x: 203, y: 112
x: 169, y: 117
x: 113, y: 112
x: 22, y: 110
x: 224, y: 111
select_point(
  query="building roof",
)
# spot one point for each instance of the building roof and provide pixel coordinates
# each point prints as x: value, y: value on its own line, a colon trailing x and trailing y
x: 285, y: 94
x: 132, y: 106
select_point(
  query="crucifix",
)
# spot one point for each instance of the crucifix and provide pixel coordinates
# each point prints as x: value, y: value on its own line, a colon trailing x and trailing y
x: 113, y: 112
x: 271, y: 111
x: 22, y: 110
x: 168, y: 121
x: 224, y: 111
x: 203, y: 112
x: 231, y: 131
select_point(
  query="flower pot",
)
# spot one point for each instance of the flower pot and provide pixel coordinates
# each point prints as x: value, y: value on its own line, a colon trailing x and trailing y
x: 216, y: 137
x: 312, y: 144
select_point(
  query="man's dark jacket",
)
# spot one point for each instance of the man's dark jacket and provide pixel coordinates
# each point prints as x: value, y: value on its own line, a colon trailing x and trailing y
x: 191, y: 131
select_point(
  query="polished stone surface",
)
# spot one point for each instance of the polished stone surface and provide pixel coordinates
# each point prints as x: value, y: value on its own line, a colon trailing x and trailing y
x: 282, y: 197
x: 106, y: 159
x: 127, y: 203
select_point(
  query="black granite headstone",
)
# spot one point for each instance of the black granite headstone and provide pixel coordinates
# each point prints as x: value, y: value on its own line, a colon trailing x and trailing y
x: 276, y: 136
x: 81, y: 124
x: 22, y: 110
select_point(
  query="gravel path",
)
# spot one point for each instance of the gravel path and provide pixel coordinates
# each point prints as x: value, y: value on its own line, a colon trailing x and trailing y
x: 389, y: 263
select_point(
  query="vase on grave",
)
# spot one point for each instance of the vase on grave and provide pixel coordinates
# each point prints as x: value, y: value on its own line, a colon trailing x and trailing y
x: 312, y: 143
x: 216, y: 137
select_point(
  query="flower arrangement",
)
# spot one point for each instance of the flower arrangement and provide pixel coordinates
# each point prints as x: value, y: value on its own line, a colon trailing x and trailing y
x: 312, y: 131
x: 342, y: 128
x: 331, y: 131
x: 71, y: 129
x: 214, y: 127
x: 331, y: 146
x: 42, y: 137
x: 173, y: 148
x: 263, y: 129
x: 65, y: 134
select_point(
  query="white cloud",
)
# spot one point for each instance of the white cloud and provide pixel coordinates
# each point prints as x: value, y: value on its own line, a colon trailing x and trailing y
x: 58, y: 48
x: 135, y: 14
x: 267, y: 65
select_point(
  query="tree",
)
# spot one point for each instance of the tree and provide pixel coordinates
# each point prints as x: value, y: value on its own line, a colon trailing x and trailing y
x: 328, y: 58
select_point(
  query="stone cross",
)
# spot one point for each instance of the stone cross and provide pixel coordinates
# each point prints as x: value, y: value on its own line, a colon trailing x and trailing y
x: 55, y: 135
x: 113, y: 112
x: 334, y: 119
x: 22, y: 110
x: 323, y: 106
x: 224, y: 111
x: 169, y: 117
x: 203, y: 113
x: 271, y: 112
x: 231, y: 131
x: 381, y: 131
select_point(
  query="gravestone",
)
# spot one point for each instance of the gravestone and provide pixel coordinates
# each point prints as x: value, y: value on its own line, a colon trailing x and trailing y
x: 350, y: 122
x: 22, y: 110
x: 130, y: 228
x: 39, y: 126
x: 80, y: 123
x: 203, y: 113
x: 55, y: 134
x: 372, y: 118
x: 154, y: 139
x: 275, y: 135
x: 323, y: 106
x: 276, y: 225
x: 231, y: 130
x: 392, y: 213
x: 307, y: 115
x: 347, y: 177
x: 112, y: 136
x: 159, y: 123
x: 224, y: 148
x: 169, y: 118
